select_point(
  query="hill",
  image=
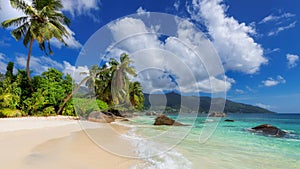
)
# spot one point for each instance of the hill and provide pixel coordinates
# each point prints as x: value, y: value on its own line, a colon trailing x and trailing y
x: 174, y: 101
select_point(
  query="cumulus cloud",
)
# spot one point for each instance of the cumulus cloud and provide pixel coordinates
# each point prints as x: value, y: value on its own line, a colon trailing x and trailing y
x: 41, y: 64
x: 77, y: 73
x: 172, y: 64
x: 292, y: 60
x: 141, y: 11
x: 233, y: 41
x: 273, y: 82
x: 38, y: 64
x: 82, y: 7
x: 71, y: 41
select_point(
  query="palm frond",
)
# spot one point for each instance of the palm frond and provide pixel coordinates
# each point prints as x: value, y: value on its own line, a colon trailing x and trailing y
x: 20, y: 31
x: 19, y: 4
x: 15, y: 21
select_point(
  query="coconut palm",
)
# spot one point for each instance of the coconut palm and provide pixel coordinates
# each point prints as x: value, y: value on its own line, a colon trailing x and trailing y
x: 136, y: 95
x: 120, y: 81
x: 42, y: 21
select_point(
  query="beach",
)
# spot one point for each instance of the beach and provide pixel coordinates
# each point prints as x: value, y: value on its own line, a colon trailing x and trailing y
x: 60, y: 142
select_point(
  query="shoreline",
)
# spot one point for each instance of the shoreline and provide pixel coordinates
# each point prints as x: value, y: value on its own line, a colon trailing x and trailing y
x: 61, y: 142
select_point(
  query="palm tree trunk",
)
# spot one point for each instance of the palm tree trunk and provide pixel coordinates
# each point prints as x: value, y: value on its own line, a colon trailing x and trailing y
x: 28, y: 62
x: 69, y: 97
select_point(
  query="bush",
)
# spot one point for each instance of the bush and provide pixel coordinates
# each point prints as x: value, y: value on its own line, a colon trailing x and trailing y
x: 85, y: 106
x: 10, y: 113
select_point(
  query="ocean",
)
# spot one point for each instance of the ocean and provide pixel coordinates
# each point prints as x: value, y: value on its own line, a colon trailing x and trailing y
x: 231, y: 145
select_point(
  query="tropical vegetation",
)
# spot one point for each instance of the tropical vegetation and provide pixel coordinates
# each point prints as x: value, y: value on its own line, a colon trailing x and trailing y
x: 42, y: 22
x: 105, y: 88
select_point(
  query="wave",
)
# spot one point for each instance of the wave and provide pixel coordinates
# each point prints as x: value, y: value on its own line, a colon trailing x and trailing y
x: 153, y: 158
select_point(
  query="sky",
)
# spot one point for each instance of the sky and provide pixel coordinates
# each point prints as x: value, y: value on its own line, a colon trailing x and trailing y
x: 252, y: 44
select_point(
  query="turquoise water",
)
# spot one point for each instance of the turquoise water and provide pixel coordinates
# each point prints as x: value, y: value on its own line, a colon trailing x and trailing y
x: 231, y: 146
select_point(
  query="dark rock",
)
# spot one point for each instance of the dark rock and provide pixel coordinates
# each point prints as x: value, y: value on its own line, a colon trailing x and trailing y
x: 164, y: 120
x: 229, y: 120
x: 269, y: 130
x: 103, y: 117
x: 116, y: 112
x: 217, y: 114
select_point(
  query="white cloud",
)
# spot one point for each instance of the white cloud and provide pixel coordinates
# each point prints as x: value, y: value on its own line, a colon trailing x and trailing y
x: 141, y: 11
x: 282, y: 28
x: 238, y: 50
x: 273, y: 82
x: 172, y: 64
x: 38, y: 64
x: 82, y: 7
x: 2, y: 64
x: 265, y: 106
x: 292, y: 60
x: 71, y: 41
x: 77, y: 73
x: 239, y: 91
x: 7, y: 12
x: 75, y: 7
x: 41, y: 64
x: 274, y: 18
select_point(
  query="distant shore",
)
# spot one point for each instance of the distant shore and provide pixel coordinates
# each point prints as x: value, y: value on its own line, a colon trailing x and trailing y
x: 60, y: 142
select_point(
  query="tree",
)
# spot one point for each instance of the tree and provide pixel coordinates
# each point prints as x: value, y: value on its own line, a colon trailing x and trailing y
x: 89, y: 80
x: 120, y: 82
x: 136, y: 95
x: 9, y: 70
x: 51, y: 88
x: 42, y: 22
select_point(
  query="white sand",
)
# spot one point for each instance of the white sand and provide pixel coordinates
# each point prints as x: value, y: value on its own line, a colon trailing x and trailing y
x: 59, y: 142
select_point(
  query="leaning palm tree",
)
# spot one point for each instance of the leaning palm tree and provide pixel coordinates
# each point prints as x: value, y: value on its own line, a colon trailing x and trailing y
x: 42, y: 22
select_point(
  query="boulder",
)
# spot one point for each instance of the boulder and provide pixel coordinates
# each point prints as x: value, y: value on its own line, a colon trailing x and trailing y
x: 269, y: 130
x: 164, y: 120
x: 229, y: 120
x: 102, y: 117
x: 217, y: 114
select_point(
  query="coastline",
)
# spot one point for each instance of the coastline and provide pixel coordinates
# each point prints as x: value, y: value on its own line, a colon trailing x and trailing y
x: 61, y: 142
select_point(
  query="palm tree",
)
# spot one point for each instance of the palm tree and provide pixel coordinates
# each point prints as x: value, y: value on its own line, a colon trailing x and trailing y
x: 89, y: 81
x: 42, y: 22
x: 120, y: 81
x: 136, y: 95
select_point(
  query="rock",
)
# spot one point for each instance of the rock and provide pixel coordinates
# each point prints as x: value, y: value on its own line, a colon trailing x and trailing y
x: 229, y: 120
x: 217, y: 114
x: 102, y: 117
x: 269, y: 130
x: 164, y: 120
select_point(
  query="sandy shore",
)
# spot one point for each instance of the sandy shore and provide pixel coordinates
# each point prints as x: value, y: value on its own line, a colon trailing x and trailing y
x: 59, y: 142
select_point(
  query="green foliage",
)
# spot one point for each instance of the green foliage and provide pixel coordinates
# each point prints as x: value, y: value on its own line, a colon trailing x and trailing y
x: 41, y: 20
x: 85, y: 106
x: 10, y: 113
x: 52, y: 87
x: 9, y: 70
x: 111, y: 84
x: 53, y: 91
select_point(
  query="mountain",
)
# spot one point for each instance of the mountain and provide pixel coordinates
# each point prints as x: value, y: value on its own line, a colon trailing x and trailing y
x: 173, y: 101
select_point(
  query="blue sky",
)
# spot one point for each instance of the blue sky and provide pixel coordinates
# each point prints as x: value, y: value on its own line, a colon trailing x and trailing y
x: 257, y: 42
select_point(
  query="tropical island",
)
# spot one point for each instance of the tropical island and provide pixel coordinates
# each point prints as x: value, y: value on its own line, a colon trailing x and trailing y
x: 137, y: 103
